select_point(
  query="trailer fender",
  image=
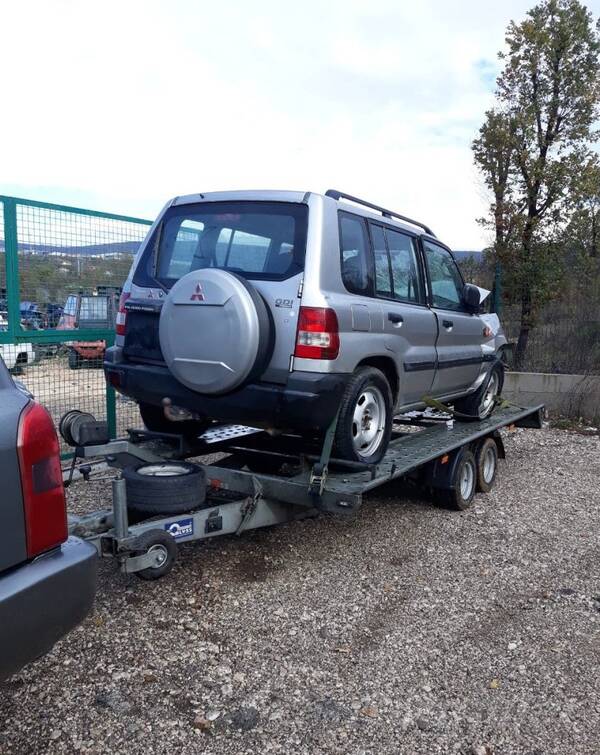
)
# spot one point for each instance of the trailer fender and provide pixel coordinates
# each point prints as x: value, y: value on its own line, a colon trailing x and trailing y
x: 499, y: 443
x: 440, y: 472
x: 497, y: 439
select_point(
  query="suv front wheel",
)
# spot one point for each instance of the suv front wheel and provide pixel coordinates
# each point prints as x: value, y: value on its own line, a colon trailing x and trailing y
x: 482, y: 403
x: 365, y: 420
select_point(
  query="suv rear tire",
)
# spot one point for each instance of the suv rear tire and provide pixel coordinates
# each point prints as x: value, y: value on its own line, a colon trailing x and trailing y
x: 364, y: 423
x: 154, y: 420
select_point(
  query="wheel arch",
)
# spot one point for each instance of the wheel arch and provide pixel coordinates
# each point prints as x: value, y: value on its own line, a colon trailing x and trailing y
x: 388, y: 367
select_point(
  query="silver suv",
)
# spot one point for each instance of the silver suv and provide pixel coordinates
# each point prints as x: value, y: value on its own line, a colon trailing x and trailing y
x: 287, y: 310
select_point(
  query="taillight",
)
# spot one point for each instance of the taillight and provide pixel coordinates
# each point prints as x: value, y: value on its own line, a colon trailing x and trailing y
x: 41, y: 480
x: 122, y: 314
x: 318, y: 333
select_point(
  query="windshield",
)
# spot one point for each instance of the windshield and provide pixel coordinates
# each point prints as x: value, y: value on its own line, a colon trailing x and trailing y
x: 264, y: 240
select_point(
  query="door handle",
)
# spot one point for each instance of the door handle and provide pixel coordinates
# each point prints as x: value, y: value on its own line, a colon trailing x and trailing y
x: 448, y: 324
x: 395, y: 318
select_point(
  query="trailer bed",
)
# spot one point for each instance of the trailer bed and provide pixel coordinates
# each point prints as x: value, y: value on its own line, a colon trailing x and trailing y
x: 238, y: 499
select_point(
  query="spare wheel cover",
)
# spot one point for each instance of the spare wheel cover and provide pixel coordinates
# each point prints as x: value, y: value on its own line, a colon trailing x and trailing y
x: 214, y: 331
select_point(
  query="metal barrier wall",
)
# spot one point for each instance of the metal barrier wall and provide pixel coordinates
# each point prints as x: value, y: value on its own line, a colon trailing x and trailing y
x: 61, y: 271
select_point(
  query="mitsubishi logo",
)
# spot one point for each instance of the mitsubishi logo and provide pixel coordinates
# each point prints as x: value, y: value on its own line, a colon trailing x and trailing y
x: 198, y: 294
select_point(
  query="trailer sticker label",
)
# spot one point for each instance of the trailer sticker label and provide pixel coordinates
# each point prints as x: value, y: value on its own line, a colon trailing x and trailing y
x: 181, y: 528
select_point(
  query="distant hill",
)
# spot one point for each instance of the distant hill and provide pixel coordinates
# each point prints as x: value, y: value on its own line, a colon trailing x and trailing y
x: 462, y: 255
x: 89, y: 250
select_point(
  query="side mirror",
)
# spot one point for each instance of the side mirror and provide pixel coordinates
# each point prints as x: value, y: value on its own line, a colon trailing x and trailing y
x: 471, y: 298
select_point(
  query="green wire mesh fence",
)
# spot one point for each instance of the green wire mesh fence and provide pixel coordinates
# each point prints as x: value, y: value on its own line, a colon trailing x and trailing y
x: 61, y: 272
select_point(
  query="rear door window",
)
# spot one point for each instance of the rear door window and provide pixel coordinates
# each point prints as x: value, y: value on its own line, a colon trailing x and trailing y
x: 262, y: 240
x: 397, y: 273
x: 354, y: 258
x: 383, y: 280
x: 405, y: 269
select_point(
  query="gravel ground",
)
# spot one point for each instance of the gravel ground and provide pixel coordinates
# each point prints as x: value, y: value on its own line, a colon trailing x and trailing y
x: 405, y: 629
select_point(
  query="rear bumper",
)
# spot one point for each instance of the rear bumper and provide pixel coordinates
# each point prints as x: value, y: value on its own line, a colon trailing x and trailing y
x: 307, y: 402
x: 43, y: 600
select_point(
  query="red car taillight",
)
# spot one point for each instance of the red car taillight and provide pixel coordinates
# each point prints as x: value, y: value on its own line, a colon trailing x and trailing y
x: 122, y: 315
x: 41, y: 480
x: 318, y: 333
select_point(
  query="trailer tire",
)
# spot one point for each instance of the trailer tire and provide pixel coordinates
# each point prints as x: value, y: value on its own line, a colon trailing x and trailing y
x: 459, y: 495
x: 164, y: 488
x: 487, y: 465
x: 166, y: 547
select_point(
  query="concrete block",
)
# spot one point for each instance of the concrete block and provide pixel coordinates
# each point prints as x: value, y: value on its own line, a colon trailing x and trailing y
x: 569, y: 395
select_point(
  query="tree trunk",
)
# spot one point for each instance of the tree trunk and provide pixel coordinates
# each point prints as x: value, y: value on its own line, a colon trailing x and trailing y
x: 523, y: 340
x: 526, y: 299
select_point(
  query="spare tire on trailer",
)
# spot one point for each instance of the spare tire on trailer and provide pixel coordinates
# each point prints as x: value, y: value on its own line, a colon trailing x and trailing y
x: 215, y: 331
x: 173, y: 487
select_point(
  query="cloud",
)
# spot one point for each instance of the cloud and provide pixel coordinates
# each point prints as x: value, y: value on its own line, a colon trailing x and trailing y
x: 123, y: 104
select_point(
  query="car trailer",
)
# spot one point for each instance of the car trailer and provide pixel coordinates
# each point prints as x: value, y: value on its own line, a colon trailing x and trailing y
x: 160, y: 499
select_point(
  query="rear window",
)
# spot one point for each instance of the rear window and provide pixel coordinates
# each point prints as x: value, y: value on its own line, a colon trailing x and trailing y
x: 93, y: 308
x: 263, y: 240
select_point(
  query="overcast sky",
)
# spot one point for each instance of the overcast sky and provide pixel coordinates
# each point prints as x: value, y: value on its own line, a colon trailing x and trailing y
x: 119, y: 105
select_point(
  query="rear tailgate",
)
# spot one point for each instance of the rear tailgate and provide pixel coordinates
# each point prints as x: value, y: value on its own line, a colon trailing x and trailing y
x: 13, y: 545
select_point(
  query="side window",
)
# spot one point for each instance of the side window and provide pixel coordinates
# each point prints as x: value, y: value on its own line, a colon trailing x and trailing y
x: 405, y: 268
x: 446, y: 280
x: 353, y: 249
x: 383, y: 285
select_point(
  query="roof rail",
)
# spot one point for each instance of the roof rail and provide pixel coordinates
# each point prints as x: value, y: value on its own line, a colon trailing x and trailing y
x: 334, y: 194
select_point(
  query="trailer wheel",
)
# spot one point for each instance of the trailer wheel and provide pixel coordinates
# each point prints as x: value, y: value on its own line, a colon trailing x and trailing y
x: 162, y: 545
x: 463, y: 485
x: 487, y: 465
x: 165, y: 488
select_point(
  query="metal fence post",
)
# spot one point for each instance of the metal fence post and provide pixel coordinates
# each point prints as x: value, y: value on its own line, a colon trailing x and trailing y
x: 11, y: 250
x: 111, y: 403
